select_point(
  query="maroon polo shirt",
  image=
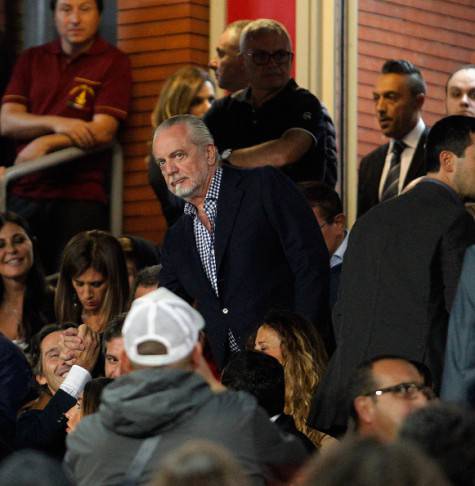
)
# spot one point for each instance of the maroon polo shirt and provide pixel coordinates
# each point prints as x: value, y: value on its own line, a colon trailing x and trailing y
x: 48, y: 82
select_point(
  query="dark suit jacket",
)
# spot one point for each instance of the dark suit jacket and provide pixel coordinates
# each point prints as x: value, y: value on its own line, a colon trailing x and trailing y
x: 269, y: 253
x: 45, y: 430
x: 398, y: 282
x: 459, y: 365
x: 371, y: 169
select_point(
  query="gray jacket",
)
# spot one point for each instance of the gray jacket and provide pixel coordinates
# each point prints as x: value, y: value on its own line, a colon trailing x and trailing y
x: 178, y: 406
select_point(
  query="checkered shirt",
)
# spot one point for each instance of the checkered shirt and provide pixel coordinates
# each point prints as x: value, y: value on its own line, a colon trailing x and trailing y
x: 205, y: 239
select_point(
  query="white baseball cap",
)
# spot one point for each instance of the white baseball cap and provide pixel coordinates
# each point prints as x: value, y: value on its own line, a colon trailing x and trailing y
x: 163, y: 317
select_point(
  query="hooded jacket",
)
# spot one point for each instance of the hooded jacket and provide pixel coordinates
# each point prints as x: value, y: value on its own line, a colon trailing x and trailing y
x: 179, y: 406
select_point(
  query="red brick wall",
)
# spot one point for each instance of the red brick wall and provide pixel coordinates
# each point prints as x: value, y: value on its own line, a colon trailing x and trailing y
x: 159, y: 36
x: 437, y: 36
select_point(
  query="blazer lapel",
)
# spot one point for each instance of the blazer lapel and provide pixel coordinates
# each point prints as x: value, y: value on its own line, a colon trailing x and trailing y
x: 418, y: 162
x: 192, y: 258
x: 229, y: 202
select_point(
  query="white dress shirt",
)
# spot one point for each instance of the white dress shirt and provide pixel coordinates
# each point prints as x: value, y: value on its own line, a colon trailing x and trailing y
x: 411, y: 140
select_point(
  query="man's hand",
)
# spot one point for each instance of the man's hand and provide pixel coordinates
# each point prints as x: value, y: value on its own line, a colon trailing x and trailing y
x: 81, y: 346
x: 35, y: 149
x: 78, y: 130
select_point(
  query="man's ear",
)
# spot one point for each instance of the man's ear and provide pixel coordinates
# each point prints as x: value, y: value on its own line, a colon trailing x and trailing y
x: 364, y: 409
x: 211, y: 153
x: 125, y: 364
x: 447, y: 161
x: 41, y: 380
x: 420, y: 98
x: 340, y: 220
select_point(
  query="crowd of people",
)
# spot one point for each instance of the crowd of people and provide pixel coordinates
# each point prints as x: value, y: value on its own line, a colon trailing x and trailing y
x: 263, y: 342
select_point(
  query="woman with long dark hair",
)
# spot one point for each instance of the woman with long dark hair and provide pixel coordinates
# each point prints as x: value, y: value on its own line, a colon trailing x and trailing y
x: 93, y: 285
x: 26, y: 302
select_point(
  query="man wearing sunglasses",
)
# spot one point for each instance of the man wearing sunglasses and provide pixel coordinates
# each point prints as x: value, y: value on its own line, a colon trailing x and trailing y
x: 383, y: 392
x: 274, y: 121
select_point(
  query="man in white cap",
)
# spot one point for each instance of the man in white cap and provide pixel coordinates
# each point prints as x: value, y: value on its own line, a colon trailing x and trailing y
x: 162, y: 403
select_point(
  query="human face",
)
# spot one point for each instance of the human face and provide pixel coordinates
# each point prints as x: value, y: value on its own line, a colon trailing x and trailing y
x: 77, y: 22
x: 74, y: 415
x: 187, y: 168
x: 201, y: 103
x: 464, y: 173
x: 16, y: 252
x: 91, y: 287
x: 227, y: 64
x: 53, y: 368
x: 397, y: 109
x: 271, y: 76
x: 333, y: 233
x: 114, y: 354
x: 389, y: 409
x: 461, y: 93
x: 268, y: 341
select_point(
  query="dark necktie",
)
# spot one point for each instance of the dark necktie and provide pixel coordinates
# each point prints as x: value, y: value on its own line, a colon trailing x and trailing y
x: 391, y: 184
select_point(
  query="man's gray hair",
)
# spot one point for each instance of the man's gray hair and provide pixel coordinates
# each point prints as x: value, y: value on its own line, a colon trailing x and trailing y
x: 263, y: 26
x: 198, y: 131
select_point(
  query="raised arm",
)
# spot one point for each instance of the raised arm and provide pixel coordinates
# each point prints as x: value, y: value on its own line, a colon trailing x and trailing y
x: 289, y: 148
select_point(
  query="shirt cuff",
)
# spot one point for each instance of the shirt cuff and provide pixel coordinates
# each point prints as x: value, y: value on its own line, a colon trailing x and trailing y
x: 75, y: 381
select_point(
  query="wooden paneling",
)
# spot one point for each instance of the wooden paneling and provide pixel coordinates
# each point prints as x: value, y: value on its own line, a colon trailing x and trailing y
x: 159, y: 36
x: 436, y: 35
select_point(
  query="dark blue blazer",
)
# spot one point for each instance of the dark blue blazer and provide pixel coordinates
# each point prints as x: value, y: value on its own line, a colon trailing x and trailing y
x: 269, y: 254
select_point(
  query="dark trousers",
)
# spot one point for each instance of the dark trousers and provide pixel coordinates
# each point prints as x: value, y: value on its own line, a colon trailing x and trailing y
x: 55, y: 221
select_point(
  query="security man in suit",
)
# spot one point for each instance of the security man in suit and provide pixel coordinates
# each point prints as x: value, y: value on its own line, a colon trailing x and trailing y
x: 398, y: 99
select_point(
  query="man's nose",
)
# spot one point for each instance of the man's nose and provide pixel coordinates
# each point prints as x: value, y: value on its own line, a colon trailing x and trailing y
x: 213, y: 64
x: 380, y: 105
x: 464, y: 99
x: 75, y: 16
x: 170, y: 168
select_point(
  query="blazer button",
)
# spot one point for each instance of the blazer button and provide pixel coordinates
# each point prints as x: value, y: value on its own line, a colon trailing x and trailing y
x: 225, y: 310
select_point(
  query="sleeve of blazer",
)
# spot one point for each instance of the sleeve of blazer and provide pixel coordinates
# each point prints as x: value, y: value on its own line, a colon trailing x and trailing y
x: 452, y: 250
x: 41, y: 428
x: 459, y: 367
x: 302, y: 242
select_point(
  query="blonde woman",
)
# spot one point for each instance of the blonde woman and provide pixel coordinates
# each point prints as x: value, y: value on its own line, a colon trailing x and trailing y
x: 189, y: 91
x: 294, y: 342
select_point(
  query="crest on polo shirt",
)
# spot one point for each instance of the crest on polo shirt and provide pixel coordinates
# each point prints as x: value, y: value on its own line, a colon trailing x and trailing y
x: 81, y: 96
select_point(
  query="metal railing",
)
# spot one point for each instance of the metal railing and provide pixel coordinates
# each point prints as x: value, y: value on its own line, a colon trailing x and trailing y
x: 65, y: 156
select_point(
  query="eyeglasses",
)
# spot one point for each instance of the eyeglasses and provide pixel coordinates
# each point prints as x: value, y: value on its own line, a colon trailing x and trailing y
x: 261, y: 58
x: 405, y: 390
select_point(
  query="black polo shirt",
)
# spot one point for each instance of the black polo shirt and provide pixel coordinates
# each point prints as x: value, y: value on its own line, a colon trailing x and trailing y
x: 235, y: 123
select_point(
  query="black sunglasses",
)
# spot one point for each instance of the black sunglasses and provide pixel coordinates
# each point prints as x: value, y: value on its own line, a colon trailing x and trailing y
x: 405, y: 390
x: 261, y: 58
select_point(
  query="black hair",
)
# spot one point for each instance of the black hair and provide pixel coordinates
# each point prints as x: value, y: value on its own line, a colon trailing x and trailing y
x: 452, y: 133
x: 417, y: 84
x: 35, y: 313
x: 446, y: 433
x: 113, y: 330
x: 91, y: 397
x: 324, y: 198
x: 461, y: 68
x: 260, y: 375
x: 367, y: 462
x: 147, y: 277
x: 99, y: 3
